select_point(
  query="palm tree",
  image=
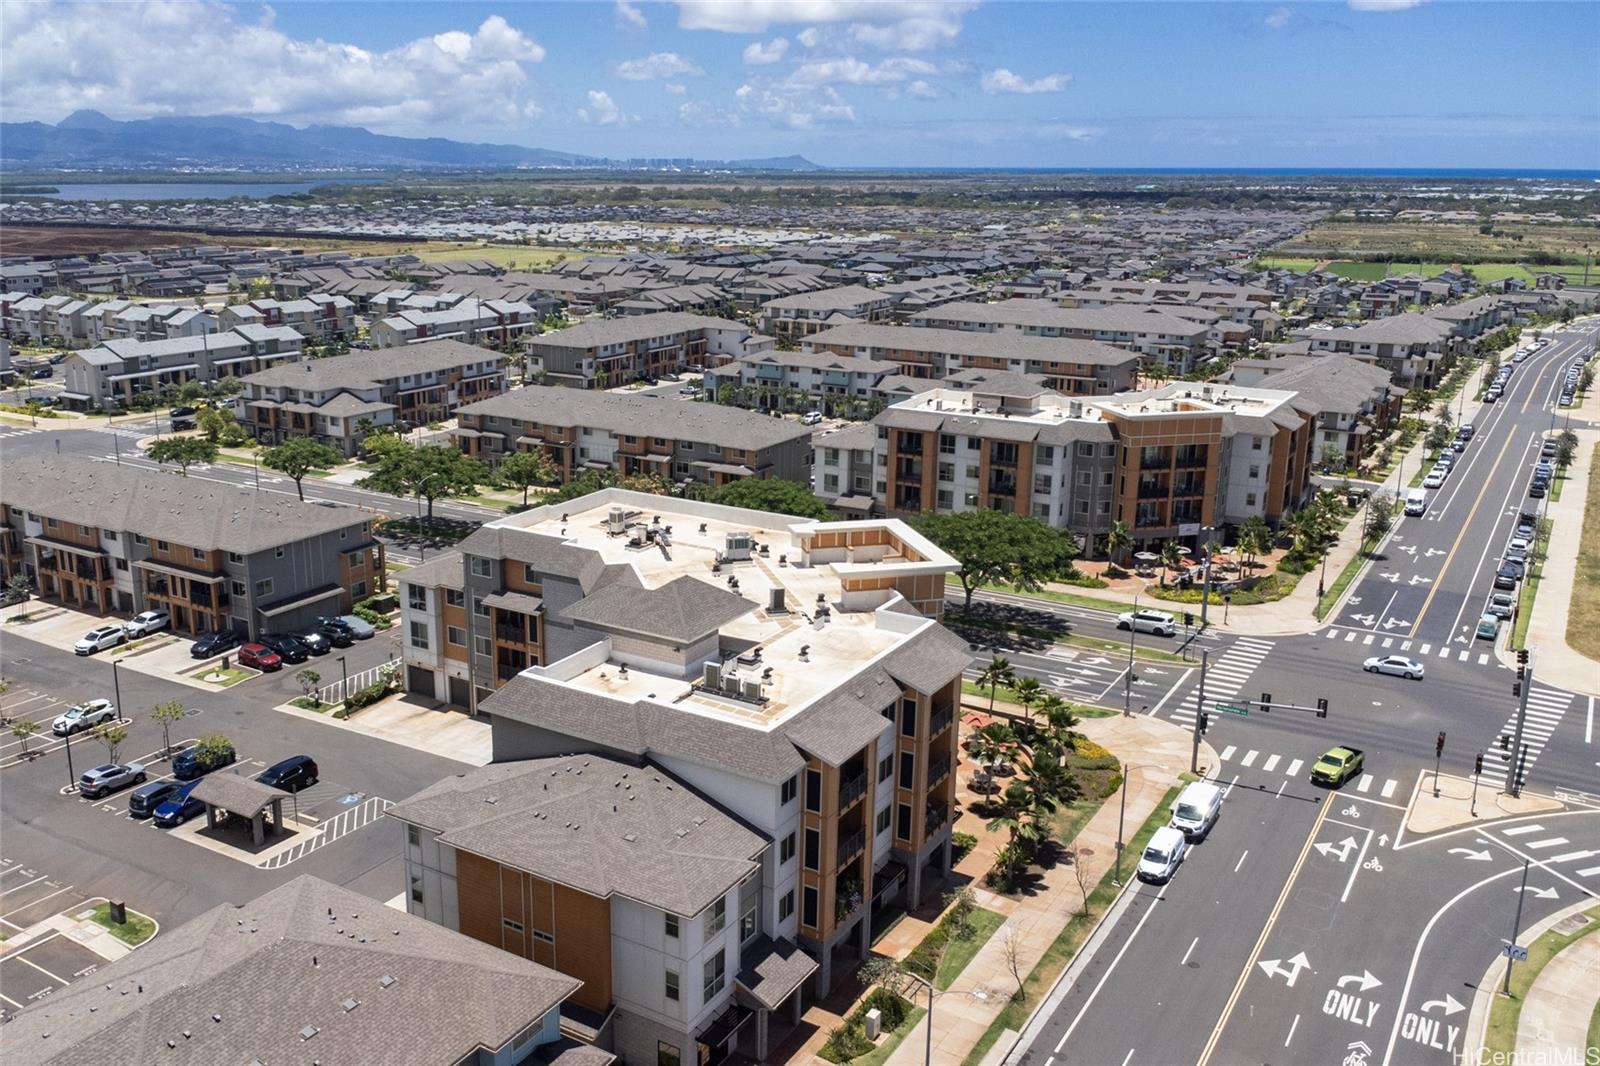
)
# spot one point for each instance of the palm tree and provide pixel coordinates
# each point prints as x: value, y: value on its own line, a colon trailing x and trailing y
x: 994, y: 745
x: 997, y: 673
x: 1061, y: 735
x: 1255, y: 538
x: 1119, y: 541
x: 1171, y: 558
x: 1028, y: 692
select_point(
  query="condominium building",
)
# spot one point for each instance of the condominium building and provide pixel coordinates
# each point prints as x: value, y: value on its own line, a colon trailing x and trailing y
x: 800, y: 315
x: 499, y: 323
x: 800, y: 380
x: 1067, y: 364
x: 615, y: 351
x: 107, y: 538
x: 317, y: 316
x: 1410, y: 347
x: 339, y: 400
x: 724, y: 740
x: 121, y: 372
x: 1355, y: 402
x: 1155, y: 334
x: 632, y: 434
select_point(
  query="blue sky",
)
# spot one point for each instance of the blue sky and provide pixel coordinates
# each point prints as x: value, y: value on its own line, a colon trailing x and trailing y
x: 853, y: 82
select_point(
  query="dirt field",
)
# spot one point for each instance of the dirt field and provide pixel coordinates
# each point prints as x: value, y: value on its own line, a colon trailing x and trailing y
x: 1441, y: 242
x: 49, y: 240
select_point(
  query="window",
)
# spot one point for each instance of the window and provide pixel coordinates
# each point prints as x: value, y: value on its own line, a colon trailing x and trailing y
x: 1086, y: 478
x: 1249, y: 499
x: 672, y: 986
x: 481, y: 645
x: 1042, y: 483
x: 138, y: 538
x: 455, y: 597
x: 882, y: 824
x: 904, y: 829
x: 789, y: 790
x: 786, y: 905
x: 1255, y: 471
x: 785, y: 849
x: 808, y: 907
x: 974, y: 444
x: 480, y: 608
x: 277, y: 553
x: 542, y: 937
x: 830, y: 457
x: 480, y: 566
x: 1104, y: 507
x: 197, y: 553
x: 886, y: 767
x: 264, y: 587
x: 456, y: 635
x: 947, y: 444
x: 413, y: 836
x: 747, y: 926
x: 1255, y: 444
x: 943, y: 499
x: 161, y: 545
x: 907, y: 769
x: 358, y: 590
x: 972, y: 471
x: 830, y: 482
x: 235, y: 557
x: 813, y: 790
x: 511, y: 924
x: 716, y: 976
x: 947, y: 471
x: 716, y: 918
x: 530, y: 575
x: 416, y: 888
x: 1105, y: 479
x: 1046, y: 454
x: 669, y: 925
x: 1086, y: 449
x: 417, y: 597
x: 238, y: 588
x: 813, y: 858
x: 908, y: 716
x: 419, y: 635
x: 668, y: 1054
x: 970, y: 499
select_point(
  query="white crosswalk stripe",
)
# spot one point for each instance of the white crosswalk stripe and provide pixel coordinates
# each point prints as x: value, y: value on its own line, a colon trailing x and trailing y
x: 1226, y: 674
x: 1290, y: 768
x: 1546, y: 709
x: 1249, y: 758
x: 1272, y: 761
x: 1549, y: 842
x: 1483, y: 660
x: 1425, y: 649
x: 1590, y: 872
x: 1365, y: 784
x: 1227, y: 753
x: 1405, y: 645
x: 1388, y: 642
x: 1388, y: 788
x: 1348, y: 637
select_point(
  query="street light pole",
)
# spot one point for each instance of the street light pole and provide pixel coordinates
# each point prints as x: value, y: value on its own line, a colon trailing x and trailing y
x: 116, y: 687
x: 344, y: 682
x: 1205, y: 595
x: 1127, y: 683
x: 1516, y: 927
x: 1199, y: 713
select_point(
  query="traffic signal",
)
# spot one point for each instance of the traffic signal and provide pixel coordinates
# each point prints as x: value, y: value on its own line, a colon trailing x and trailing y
x: 1505, y: 742
x: 1322, y: 706
x: 1522, y: 656
x: 1266, y: 701
x: 1438, y: 745
x: 1477, y: 767
x: 1205, y: 722
x: 1188, y: 619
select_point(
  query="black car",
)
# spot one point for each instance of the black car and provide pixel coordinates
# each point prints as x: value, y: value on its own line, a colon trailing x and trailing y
x: 1515, y: 566
x: 337, y: 631
x: 1536, y: 489
x: 315, y: 643
x: 182, y: 412
x: 209, y: 644
x: 292, y: 774
x: 191, y: 763
x: 289, y: 649
x: 143, y: 801
x: 1506, y: 577
x: 41, y: 372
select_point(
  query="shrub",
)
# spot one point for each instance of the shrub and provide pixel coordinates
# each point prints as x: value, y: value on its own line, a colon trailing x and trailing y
x: 365, y: 697
x: 889, y: 1004
x: 961, y: 845
x: 846, y: 1042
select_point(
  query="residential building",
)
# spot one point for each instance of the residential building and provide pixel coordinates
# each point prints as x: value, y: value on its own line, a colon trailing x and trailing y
x: 615, y: 351
x: 719, y: 734
x: 805, y: 313
x: 339, y: 400
x: 317, y: 316
x: 307, y: 971
x: 1067, y: 364
x: 1411, y: 347
x: 1354, y: 401
x: 488, y: 322
x: 120, y: 539
x: 120, y: 372
x: 1157, y: 335
x: 594, y: 430
x: 800, y: 380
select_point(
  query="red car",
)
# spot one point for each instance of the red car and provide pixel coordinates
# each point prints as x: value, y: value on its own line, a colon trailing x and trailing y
x: 259, y: 656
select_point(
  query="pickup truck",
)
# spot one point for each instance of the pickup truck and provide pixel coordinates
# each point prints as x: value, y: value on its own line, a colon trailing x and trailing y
x: 1337, y: 766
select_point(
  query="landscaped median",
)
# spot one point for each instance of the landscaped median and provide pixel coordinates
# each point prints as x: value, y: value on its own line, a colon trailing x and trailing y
x: 1583, y: 613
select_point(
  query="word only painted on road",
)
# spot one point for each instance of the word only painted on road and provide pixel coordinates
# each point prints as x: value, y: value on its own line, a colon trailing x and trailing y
x: 1349, y: 1007
x: 1430, y: 1032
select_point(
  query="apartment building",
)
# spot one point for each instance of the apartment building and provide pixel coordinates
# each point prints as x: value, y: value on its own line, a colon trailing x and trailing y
x: 724, y: 740
x: 1410, y: 347
x: 803, y: 380
x: 318, y: 316
x: 499, y: 323
x: 1354, y: 402
x: 615, y: 351
x: 117, y: 539
x: 1067, y: 364
x: 306, y: 971
x: 593, y: 430
x: 805, y: 313
x: 1155, y: 334
x: 119, y: 372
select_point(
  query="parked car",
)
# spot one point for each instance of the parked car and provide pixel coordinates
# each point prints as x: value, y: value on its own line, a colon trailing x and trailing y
x: 1337, y: 766
x: 1566, y: 399
x: 146, y: 622
x: 1502, y: 604
x: 108, y: 777
x: 1459, y: 444
x: 99, y: 639
x: 688, y: 390
x: 1434, y: 480
x: 260, y: 657
x: 359, y: 628
x: 811, y: 418
x: 1163, y: 855
x: 1516, y: 567
x: 1394, y: 665
x: 1489, y: 626
x: 191, y: 763
x: 179, y: 807
x: 289, y: 649
x: 1196, y: 809
x: 209, y: 644
x: 336, y: 631
x: 84, y: 716
x: 1467, y: 430
x: 1492, y: 395
x: 1142, y: 621
x: 1506, y: 577
x: 143, y: 801
x: 291, y: 774
x: 315, y: 643
x: 1536, y: 489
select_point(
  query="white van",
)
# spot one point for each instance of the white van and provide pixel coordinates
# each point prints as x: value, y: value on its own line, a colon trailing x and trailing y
x: 1163, y: 855
x: 1196, y: 810
x: 1417, y: 502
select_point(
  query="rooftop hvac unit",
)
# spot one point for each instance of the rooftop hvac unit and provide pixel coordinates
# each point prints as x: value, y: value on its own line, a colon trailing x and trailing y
x: 713, y: 675
x: 737, y: 546
x: 617, y: 521
x: 730, y: 683
x: 752, y: 689
x: 775, y: 601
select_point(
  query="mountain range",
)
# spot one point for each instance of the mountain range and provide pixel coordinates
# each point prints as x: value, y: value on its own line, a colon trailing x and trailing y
x: 91, y: 139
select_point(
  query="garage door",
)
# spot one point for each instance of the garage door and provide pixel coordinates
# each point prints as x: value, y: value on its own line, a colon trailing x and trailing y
x: 458, y: 692
x: 419, y: 679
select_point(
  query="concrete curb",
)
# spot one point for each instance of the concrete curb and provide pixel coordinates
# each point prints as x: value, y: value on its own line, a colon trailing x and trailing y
x: 1489, y: 984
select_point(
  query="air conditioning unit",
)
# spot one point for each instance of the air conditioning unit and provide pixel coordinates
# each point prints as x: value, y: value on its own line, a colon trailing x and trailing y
x: 713, y: 675
x: 617, y: 521
x: 738, y: 546
x: 751, y: 688
x: 775, y: 601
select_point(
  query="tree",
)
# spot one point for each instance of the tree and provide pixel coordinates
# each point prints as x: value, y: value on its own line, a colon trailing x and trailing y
x: 111, y: 734
x: 1119, y: 541
x: 1255, y: 539
x: 429, y: 471
x: 33, y: 407
x: 184, y: 451
x: 212, y: 748
x: 523, y: 470
x: 23, y: 730
x: 214, y: 421
x: 165, y: 714
x: 1566, y: 448
x: 1000, y: 547
x: 309, y: 680
x: 1028, y: 692
x: 1011, y: 946
x: 299, y: 456
x: 1380, y: 517
x: 1171, y: 558
x: 1080, y: 874
x: 996, y: 674
x: 17, y: 591
x: 772, y: 494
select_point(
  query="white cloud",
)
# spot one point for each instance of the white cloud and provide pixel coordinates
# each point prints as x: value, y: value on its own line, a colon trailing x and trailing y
x: 795, y: 107
x: 700, y: 113
x: 629, y: 16
x: 657, y: 65
x: 922, y: 90
x: 675, y: 88
x: 809, y: 36
x: 182, y: 57
x: 757, y: 54
x: 603, y: 111
x: 1383, y: 5
x: 1002, y: 80
x: 900, y: 25
x: 1279, y: 18
x: 849, y: 70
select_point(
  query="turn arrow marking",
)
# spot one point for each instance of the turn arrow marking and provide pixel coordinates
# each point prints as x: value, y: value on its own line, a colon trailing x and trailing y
x: 1292, y: 974
x: 1365, y: 977
x: 1341, y: 849
x: 1476, y: 856
x: 1541, y: 893
x: 1449, y: 1003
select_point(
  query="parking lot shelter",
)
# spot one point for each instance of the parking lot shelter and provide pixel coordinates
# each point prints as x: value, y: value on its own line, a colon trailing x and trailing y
x: 243, y: 797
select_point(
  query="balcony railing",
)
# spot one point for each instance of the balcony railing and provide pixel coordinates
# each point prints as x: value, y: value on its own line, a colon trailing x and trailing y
x: 851, y: 846
x: 851, y: 790
x: 516, y: 634
x: 938, y: 814
x: 941, y: 717
x: 938, y: 772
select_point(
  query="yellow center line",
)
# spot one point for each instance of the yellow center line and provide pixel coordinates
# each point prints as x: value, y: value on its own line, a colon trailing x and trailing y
x: 1438, y: 580
x: 1266, y: 930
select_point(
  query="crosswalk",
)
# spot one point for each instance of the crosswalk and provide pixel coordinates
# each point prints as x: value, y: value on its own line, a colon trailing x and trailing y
x: 1399, y: 645
x: 1226, y: 674
x: 18, y: 431
x: 1240, y: 758
x: 1546, y: 708
x: 1536, y: 839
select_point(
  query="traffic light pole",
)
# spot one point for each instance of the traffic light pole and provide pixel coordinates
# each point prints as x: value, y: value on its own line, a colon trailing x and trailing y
x: 1525, y: 679
x: 1199, y: 714
x: 1438, y: 757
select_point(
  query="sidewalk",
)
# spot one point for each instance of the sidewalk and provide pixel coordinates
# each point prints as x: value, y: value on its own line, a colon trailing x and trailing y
x: 1555, y: 1015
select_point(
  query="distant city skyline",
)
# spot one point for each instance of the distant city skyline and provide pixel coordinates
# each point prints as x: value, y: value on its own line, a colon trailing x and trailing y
x: 1364, y: 83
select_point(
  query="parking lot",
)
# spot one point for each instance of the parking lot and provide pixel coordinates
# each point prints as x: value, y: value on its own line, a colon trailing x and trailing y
x: 42, y: 708
x: 33, y: 966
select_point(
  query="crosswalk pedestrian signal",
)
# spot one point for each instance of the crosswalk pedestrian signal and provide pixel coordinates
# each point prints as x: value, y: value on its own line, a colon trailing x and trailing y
x: 1477, y: 767
x: 1322, y: 706
x: 1438, y: 745
x: 1205, y: 722
x: 1266, y: 701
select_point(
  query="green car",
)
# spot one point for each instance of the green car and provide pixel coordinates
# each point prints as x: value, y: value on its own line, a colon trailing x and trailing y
x: 1337, y: 766
x: 1489, y: 627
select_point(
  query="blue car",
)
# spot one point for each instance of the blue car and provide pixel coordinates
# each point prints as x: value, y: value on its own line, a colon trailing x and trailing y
x: 143, y: 801
x: 191, y: 763
x: 179, y: 807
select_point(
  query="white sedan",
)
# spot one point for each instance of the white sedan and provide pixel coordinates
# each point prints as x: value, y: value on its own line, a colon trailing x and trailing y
x: 1434, y: 480
x: 146, y: 622
x: 100, y: 638
x: 84, y: 716
x: 1398, y: 665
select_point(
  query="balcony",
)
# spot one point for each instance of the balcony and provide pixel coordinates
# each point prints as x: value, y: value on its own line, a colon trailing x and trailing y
x: 1155, y: 462
x: 937, y: 815
x: 850, y: 846
x: 937, y: 772
x: 851, y: 790
x: 516, y: 634
x: 941, y: 717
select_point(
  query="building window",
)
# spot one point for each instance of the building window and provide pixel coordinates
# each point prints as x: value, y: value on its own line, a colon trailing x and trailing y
x: 668, y: 1054
x: 480, y: 566
x: 417, y: 597
x: 814, y: 790
x: 947, y: 444
x: 138, y: 538
x: 669, y: 925
x: 543, y: 937
x: 419, y: 635
x: 530, y: 575
x: 789, y: 790
x: 481, y: 645
x: 161, y: 545
x: 264, y: 587
x: 197, y: 553
x: 882, y: 824
x: 1043, y: 483
x: 1249, y: 499
x: 830, y: 482
x: 277, y: 553
x: 886, y: 767
x: 747, y: 926
x: 238, y: 588
x: 1255, y: 444
x: 511, y: 924
x: 904, y: 815
x: 785, y: 849
x: 1046, y: 454
x: 907, y: 769
x: 480, y: 608
x: 455, y: 597
x: 716, y: 918
x: 672, y: 985
x: 456, y: 635
x: 830, y: 457
x: 944, y: 499
x: 235, y: 557
x: 808, y: 907
x: 1083, y: 506
x: 359, y: 590
x: 908, y: 716
x: 813, y: 856
x: 1255, y: 471
x: 716, y: 976
x: 413, y: 836
x: 786, y: 906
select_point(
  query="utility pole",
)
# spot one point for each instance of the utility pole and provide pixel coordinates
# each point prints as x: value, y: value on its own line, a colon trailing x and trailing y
x: 1524, y: 683
x: 1205, y: 596
x: 1438, y: 756
x: 1127, y: 681
x: 1199, y: 713
x: 1122, y: 810
x: 1477, y: 772
x: 1516, y: 927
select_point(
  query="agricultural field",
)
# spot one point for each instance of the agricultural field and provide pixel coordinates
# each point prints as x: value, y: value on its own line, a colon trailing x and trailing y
x: 1445, y: 242
x: 1484, y: 272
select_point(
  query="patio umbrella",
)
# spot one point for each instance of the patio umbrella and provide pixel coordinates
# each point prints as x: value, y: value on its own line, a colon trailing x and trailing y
x: 1146, y: 557
x: 1185, y: 551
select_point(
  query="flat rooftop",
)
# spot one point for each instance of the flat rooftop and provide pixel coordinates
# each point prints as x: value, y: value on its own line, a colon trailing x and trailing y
x: 1186, y: 397
x: 1052, y: 409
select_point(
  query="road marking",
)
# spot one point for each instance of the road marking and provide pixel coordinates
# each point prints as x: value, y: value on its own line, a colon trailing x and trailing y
x: 1294, y: 767
x: 15, y: 888
x: 1240, y: 863
x: 11, y: 1001
x: 1185, y: 960
x: 1272, y: 760
x: 1588, y: 725
x: 1370, y: 638
x: 1365, y: 784
x: 1388, y: 788
x: 41, y: 969
x: 1444, y: 652
x: 1405, y: 645
x: 1388, y: 642
x: 1249, y: 758
x: 1552, y: 842
x: 1291, y: 1030
x: 1521, y: 830
x: 1266, y: 930
x: 1154, y: 900
x: 1425, y: 649
x: 1129, y: 1057
x: 34, y: 902
x: 1227, y: 752
x: 1571, y: 856
x: 1348, y: 637
x: 1590, y: 872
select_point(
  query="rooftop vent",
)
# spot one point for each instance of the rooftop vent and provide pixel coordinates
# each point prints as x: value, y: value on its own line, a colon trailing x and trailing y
x: 305, y: 1034
x: 350, y: 1004
x: 385, y: 981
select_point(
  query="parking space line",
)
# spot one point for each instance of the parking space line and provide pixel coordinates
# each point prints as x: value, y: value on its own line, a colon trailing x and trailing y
x: 36, y: 902
x: 25, y: 884
x: 41, y: 969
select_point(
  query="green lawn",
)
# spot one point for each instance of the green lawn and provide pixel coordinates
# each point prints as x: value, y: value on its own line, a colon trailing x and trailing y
x: 880, y: 1054
x: 1506, y: 1011
x: 1583, y: 612
x: 961, y: 952
x: 230, y: 677
x: 135, y: 931
x: 1092, y: 602
x: 1530, y: 586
